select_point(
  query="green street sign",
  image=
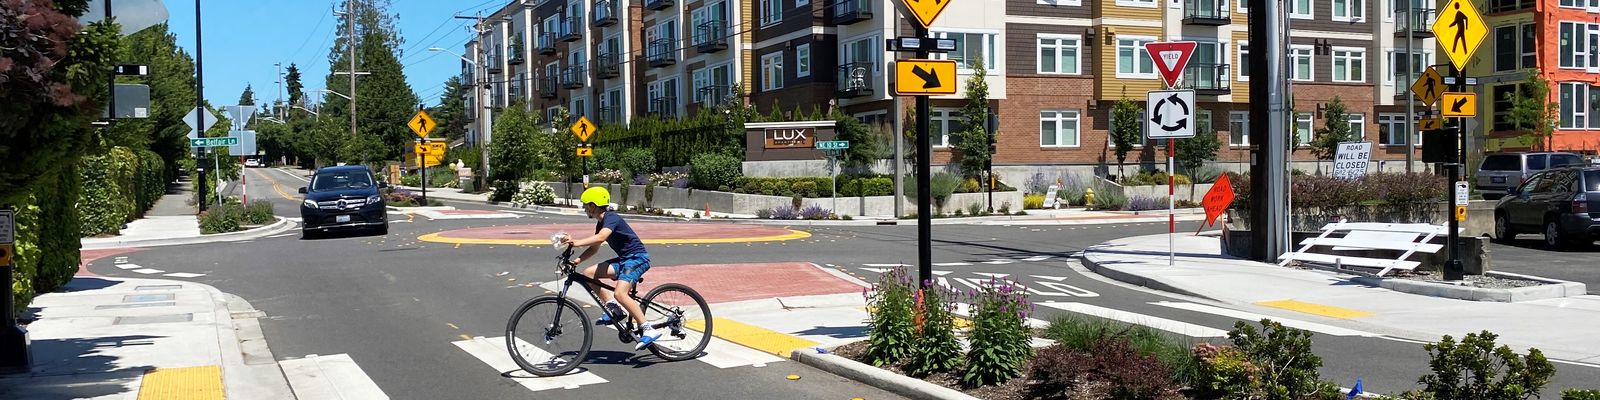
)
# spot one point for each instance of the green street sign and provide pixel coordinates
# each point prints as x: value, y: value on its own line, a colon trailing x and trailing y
x: 833, y: 145
x: 214, y: 142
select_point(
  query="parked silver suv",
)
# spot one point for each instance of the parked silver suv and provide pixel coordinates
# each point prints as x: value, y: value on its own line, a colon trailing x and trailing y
x: 1500, y: 172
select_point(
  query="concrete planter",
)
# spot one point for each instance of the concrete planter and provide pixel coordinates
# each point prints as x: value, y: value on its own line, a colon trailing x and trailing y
x: 1181, y: 192
x: 738, y: 203
x: 1550, y: 289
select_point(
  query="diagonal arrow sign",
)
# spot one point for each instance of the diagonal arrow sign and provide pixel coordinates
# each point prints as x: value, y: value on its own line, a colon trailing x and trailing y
x: 930, y: 79
x: 1461, y: 102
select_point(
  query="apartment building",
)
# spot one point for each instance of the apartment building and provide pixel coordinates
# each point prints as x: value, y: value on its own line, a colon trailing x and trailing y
x: 1054, y: 67
x: 1519, y: 44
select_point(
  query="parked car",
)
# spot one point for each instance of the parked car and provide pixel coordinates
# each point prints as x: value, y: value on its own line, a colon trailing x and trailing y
x: 343, y: 197
x: 252, y: 163
x: 1501, y: 172
x: 1562, y: 203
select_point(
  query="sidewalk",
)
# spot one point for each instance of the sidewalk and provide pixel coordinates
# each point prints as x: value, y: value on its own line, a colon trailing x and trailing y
x: 1562, y: 328
x: 172, y: 221
x: 114, y: 338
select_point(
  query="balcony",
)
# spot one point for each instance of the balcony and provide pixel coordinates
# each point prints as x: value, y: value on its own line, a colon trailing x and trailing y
x: 547, y: 43
x: 609, y: 115
x: 1206, y: 12
x: 1208, y: 79
x: 574, y: 78
x: 469, y: 78
x: 1500, y: 6
x: 494, y: 63
x: 547, y: 87
x: 716, y: 96
x: 662, y: 52
x: 846, y: 12
x: 1419, y: 23
x: 664, y: 106
x: 711, y: 36
x: 516, y: 53
x: 854, y: 80
x: 607, y: 65
x: 516, y: 92
x: 658, y: 4
x: 605, y: 13
x: 571, y: 30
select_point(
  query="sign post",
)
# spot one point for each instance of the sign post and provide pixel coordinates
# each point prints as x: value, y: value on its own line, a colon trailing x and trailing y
x: 584, y: 130
x: 921, y: 77
x: 14, y: 355
x: 834, y: 149
x: 1170, y: 115
x: 422, y: 124
x: 1459, y: 29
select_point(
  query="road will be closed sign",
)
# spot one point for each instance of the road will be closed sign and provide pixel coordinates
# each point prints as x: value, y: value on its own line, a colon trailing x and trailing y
x: 1350, y: 161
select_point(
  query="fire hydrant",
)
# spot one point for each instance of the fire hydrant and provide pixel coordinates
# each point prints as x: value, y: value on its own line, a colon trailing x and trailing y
x: 1088, y: 196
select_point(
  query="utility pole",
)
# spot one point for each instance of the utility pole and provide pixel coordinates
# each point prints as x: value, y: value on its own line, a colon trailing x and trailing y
x: 1411, y: 106
x: 200, y: 102
x: 477, y: 100
x: 350, y: 52
x: 277, y: 108
x: 1268, y: 211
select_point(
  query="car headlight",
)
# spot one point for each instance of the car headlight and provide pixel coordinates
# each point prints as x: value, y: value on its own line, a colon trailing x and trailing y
x: 374, y: 199
x: 309, y: 203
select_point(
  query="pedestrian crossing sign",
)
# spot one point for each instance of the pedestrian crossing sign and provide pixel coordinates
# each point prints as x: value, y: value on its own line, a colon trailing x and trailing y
x: 1428, y: 87
x: 1459, y: 29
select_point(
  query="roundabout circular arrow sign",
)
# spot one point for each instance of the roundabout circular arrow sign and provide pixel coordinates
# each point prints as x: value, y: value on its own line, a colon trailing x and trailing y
x: 1169, y: 114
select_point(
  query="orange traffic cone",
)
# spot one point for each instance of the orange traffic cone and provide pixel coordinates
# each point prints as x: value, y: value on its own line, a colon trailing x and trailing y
x: 708, y: 210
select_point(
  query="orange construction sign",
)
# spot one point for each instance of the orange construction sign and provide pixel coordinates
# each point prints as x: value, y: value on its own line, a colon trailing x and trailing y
x: 1217, y: 200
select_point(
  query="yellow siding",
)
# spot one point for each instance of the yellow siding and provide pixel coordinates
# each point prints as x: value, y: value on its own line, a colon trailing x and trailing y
x: 1110, y: 87
x: 1241, y: 89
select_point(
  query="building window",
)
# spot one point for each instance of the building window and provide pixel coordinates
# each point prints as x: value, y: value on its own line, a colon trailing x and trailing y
x: 1349, y: 65
x: 1239, y: 128
x: 971, y: 48
x: 1505, y: 48
x: 1530, y: 50
x: 801, y: 3
x: 772, y: 71
x: 941, y: 123
x: 1132, y: 60
x: 1073, y: 3
x: 1137, y: 3
x: 1391, y: 129
x: 580, y: 107
x: 1300, y: 9
x: 1302, y: 129
x: 1397, y: 66
x: 1058, y: 128
x: 1243, y: 66
x: 1594, y: 106
x: 1579, y: 45
x: 863, y: 51
x: 1058, y: 54
x: 1504, y: 97
x: 802, y: 60
x: 1300, y: 62
x: 1348, y: 10
x: 1574, y: 105
x: 771, y: 12
x: 1358, y: 125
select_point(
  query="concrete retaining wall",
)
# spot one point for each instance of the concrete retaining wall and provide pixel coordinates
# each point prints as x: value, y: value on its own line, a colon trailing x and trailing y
x: 1183, y: 191
x: 738, y: 203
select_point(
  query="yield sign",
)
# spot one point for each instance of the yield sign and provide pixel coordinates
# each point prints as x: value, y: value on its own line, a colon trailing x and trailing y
x: 925, y: 11
x: 1170, y: 58
x: 1459, y: 29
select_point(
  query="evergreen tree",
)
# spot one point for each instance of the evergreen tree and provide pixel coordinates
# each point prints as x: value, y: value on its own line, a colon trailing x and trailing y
x: 1127, y: 129
x: 1335, y: 129
x: 451, y: 113
x: 385, y: 100
x: 515, y: 151
x: 248, y: 98
x: 973, y: 141
x: 297, y: 93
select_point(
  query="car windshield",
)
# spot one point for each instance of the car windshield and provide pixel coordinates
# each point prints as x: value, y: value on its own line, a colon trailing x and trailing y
x: 1501, y: 162
x: 340, y: 180
x: 1591, y: 180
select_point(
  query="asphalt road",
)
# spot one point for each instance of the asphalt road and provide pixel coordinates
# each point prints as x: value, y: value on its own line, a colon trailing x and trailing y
x: 396, y: 305
x: 1528, y: 255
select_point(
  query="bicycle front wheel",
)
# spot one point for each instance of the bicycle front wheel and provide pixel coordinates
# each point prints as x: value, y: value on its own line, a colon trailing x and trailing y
x: 686, y: 317
x: 549, y: 336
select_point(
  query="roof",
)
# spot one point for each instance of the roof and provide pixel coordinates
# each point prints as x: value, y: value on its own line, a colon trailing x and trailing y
x: 343, y: 168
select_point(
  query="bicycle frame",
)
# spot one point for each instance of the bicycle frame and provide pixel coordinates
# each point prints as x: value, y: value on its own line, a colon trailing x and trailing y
x: 570, y: 270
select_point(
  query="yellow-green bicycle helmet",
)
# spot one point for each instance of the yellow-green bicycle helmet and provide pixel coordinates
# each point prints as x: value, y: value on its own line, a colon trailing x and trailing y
x: 598, y: 196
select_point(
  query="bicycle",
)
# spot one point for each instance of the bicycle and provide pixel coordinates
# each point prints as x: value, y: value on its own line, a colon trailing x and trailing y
x: 547, y: 349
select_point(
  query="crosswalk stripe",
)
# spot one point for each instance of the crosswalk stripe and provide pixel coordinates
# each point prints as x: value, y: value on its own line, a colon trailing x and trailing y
x: 184, y: 275
x: 951, y: 264
x: 493, y: 351
x: 965, y: 310
x: 1253, y: 317
x: 885, y: 265
x: 998, y: 262
x: 129, y: 266
x: 148, y: 271
x: 329, y: 377
x: 1178, y: 327
x: 1053, y: 278
x: 1037, y: 258
x: 992, y: 275
x: 720, y: 352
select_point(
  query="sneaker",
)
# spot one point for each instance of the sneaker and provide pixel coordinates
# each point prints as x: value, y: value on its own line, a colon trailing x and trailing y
x: 647, y: 338
x: 611, y: 309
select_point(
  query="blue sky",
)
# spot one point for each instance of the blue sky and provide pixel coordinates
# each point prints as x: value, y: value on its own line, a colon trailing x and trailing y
x: 243, y: 39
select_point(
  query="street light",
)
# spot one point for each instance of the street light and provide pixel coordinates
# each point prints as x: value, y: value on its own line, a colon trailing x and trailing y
x: 313, y: 113
x: 337, y: 94
x: 477, y: 98
x: 463, y: 58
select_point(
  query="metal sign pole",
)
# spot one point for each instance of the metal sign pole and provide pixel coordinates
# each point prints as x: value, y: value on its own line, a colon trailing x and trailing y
x: 1453, y: 270
x: 924, y: 193
x: 14, y: 353
x: 1172, y: 203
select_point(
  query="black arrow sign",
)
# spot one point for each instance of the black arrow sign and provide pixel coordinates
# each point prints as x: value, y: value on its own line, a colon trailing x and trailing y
x: 930, y: 79
x: 1456, y: 108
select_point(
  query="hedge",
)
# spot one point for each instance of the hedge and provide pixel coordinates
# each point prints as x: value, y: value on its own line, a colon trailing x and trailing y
x: 785, y: 187
x: 47, y: 237
x: 715, y: 171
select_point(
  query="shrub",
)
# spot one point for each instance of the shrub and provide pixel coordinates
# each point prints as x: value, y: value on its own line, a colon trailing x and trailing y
x: 999, y: 341
x: 879, y: 186
x: 1005, y: 208
x: 970, y: 185
x: 711, y: 171
x: 605, y: 176
x: 934, y: 348
x: 1206, y: 174
x: 221, y: 219
x: 259, y: 212
x: 806, y: 188
x: 1109, y: 200
x: 785, y: 212
x: 765, y: 213
x: 850, y: 188
x: 1289, y: 368
x: 1142, y: 203
x: 638, y: 161
x: 1148, y: 178
x: 669, y: 178
x: 1130, y: 373
x: 1475, y: 369
x: 503, y: 190
x: 958, y: 212
x: 890, y: 328
x: 1072, y: 189
x: 1082, y: 333
x: 943, y: 185
x: 535, y: 192
x: 441, y: 178
x: 103, y: 204
x: 411, y: 180
x: 815, y: 212
x: 1577, y: 394
x: 974, y: 209
x: 1057, y: 370
x: 1223, y: 372
x: 1037, y: 184
x: 1032, y: 201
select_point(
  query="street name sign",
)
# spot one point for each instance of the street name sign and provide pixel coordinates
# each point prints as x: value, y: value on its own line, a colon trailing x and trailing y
x: 925, y: 11
x: 583, y: 129
x: 1350, y: 160
x: 421, y: 124
x: 214, y: 142
x: 1459, y: 104
x: 1170, y: 114
x: 924, y: 77
x: 1170, y: 59
x: 1428, y: 87
x: 833, y: 145
x: 1459, y: 29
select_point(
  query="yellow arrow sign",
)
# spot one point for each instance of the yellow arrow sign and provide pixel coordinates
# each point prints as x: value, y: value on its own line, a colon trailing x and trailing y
x: 1459, y: 29
x: 583, y: 129
x: 1428, y: 86
x: 925, y: 77
x: 585, y: 152
x: 1430, y: 124
x: 925, y: 11
x: 1459, y: 104
x: 421, y: 124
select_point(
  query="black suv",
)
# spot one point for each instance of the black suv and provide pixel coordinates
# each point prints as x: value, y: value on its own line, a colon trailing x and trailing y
x: 343, y: 197
x: 1562, y: 203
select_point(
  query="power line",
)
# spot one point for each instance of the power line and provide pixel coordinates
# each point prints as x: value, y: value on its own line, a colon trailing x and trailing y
x: 430, y: 34
x: 309, y: 35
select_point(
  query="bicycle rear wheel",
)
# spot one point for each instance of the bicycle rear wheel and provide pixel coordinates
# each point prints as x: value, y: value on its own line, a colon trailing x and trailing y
x: 549, y: 336
x: 686, y: 317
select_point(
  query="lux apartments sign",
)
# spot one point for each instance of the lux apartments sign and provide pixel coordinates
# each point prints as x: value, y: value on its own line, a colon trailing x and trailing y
x: 783, y: 138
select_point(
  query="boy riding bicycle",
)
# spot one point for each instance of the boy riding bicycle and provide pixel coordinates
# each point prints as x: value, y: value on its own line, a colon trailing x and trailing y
x: 627, y: 268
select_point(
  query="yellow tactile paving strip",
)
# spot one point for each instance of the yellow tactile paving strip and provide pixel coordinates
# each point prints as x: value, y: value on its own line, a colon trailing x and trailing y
x: 769, y: 341
x: 193, y: 383
x: 1315, y: 309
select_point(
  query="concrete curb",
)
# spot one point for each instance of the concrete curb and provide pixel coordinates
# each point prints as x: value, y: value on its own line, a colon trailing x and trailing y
x: 250, y: 370
x: 281, y: 226
x: 1089, y: 261
x: 1180, y: 211
x: 1553, y: 289
x: 875, y: 377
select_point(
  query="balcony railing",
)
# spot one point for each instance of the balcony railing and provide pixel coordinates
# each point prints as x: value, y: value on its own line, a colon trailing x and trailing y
x: 1419, y: 22
x: 469, y: 77
x: 605, y: 13
x: 609, y: 114
x: 516, y: 92
x: 547, y: 43
x: 845, y: 12
x: 574, y: 78
x: 516, y: 53
x: 1208, y: 79
x: 665, y: 106
x: 658, y: 4
x: 493, y: 63
x: 571, y: 30
x: 1497, y: 6
x: 607, y: 65
x: 662, y: 52
x: 716, y: 95
x: 711, y: 36
x: 547, y: 86
x: 1206, y: 12
x: 854, y: 80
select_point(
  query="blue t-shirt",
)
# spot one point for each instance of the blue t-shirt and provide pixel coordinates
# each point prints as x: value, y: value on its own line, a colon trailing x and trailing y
x: 622, y: 239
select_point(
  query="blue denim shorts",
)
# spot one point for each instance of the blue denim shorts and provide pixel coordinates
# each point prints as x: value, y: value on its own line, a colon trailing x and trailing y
x: 631, y: 267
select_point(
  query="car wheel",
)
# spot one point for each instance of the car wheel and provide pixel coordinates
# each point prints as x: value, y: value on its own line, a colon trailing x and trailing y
x: 1503, y: 232
x: 1552, y: 235
x: 383, y: 229
x: 308, y: 234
